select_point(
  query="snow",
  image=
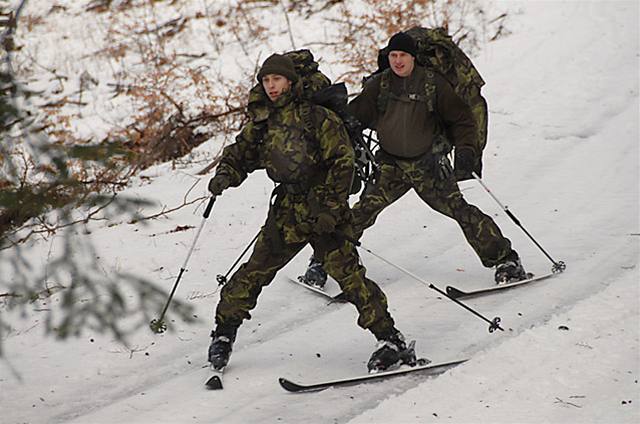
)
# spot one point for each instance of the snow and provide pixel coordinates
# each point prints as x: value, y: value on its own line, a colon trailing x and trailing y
x: 582, y: 371
x: 563, y: 155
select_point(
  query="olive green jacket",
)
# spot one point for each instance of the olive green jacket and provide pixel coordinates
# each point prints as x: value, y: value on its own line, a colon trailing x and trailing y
x: 406, y: 127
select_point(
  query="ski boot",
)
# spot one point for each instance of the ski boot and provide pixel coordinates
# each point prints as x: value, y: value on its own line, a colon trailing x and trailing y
x: 391, y: 353
x: 315, y: 275
x: 511, y: 271
x: 220, y: 349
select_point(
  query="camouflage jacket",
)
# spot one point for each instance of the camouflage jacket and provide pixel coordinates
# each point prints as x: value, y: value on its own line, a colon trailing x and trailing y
x: 302, y: 145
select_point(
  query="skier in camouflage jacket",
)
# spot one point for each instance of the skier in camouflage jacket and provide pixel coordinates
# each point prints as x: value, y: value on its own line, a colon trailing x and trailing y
x: 314, y: 168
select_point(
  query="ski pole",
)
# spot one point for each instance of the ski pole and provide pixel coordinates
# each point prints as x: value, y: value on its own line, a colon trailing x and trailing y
x: 158, y: 325
x: 557, y: 266
x: 494, y: 324
x: 222, y: 279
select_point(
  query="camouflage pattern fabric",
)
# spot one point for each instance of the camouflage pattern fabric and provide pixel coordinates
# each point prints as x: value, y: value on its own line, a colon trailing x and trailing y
x: 315, y: 176
x: 272, y: 252
x: 324, y: 166
x: 396, y: 177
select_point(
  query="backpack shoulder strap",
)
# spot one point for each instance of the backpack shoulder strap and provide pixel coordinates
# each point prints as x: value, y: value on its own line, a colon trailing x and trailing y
x: 430, y: 90
x: 309, y: 115
x: 385, y: 91
x: 441, y: 144
x: 306, y: 113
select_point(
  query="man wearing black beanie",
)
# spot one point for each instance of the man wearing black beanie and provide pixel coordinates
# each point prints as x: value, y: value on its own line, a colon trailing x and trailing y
x: 402, y: 54
x: 417, y: 114
x: 402, y: 42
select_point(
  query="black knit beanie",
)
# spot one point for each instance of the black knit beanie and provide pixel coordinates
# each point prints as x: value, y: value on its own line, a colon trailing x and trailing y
x: 403, y: 42
x: 278, y: 64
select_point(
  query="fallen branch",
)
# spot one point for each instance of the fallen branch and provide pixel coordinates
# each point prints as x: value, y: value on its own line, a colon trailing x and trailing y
x: 185, y: 202
x: 558, y: 400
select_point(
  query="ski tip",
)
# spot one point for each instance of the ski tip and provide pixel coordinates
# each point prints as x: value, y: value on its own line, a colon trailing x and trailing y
x: 454, y: 292
x: 214, y: 383
x: 289, y: 385
x: 458, y: 362
x: 292, y: 387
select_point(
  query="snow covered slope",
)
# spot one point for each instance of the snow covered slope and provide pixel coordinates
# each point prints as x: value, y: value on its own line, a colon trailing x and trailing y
x: 563, y: 155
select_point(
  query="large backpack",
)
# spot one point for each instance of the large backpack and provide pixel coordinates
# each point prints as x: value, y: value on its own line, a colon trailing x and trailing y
x: 437, y: 52
x: 317, y: 89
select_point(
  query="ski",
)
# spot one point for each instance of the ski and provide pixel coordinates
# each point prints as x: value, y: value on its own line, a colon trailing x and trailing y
x: 457, y: 293
x: 432, y: 369
x: 215, y: 381
x: 339, y: 298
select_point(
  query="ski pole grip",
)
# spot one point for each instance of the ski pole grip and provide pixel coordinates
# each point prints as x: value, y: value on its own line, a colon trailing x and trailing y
x: 207, y: 210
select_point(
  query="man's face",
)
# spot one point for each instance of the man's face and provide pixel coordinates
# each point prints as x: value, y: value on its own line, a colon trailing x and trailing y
x: 402, y: 63
x: 275, y: 85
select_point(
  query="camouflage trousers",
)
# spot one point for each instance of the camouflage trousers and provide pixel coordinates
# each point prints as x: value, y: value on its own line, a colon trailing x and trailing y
x: 287, y: 230
x: 395, y: 177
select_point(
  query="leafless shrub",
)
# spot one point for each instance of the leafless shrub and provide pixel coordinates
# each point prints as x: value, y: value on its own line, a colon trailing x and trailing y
x: 365, y: 29
x: 52, y: 182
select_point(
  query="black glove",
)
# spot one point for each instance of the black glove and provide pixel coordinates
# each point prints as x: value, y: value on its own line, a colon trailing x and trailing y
x: 465, y: 161
x: 325, y: 223
x: 353, y: 126
x: 218, y: 184
x: 443, y: 167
